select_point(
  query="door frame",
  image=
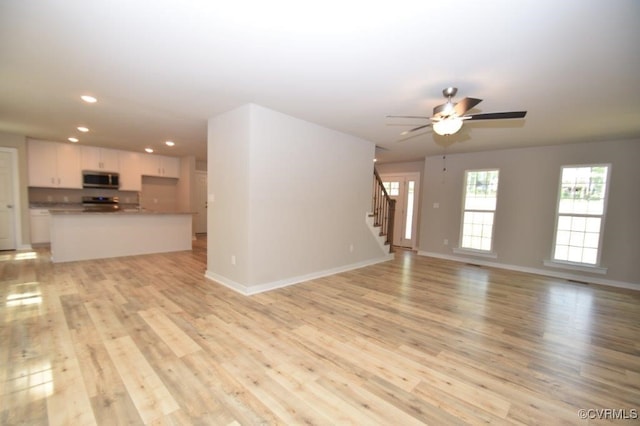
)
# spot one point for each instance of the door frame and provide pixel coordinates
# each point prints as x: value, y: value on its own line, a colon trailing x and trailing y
x: 199, y: 173
x: 17, y: 206
x: 407, y: 176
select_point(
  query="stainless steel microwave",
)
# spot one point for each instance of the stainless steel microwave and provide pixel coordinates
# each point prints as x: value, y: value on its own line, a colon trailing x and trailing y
x: 100, y: 180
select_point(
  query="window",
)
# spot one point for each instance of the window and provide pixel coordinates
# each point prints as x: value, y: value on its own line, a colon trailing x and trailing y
x: 408, y: 230
x: 580, y: 215
x: 393, y: 188
x: 480, y: 198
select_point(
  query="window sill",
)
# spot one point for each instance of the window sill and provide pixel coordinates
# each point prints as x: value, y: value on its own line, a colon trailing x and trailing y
x: 479, y: 253
x: 594, y: 269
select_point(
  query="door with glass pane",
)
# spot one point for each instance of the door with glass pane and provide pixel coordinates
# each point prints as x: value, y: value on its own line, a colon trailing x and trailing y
x: 404, y: 189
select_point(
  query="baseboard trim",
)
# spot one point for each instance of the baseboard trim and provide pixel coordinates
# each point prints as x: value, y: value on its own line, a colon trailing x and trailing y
x: 537, y: 271
x: 261, y: 288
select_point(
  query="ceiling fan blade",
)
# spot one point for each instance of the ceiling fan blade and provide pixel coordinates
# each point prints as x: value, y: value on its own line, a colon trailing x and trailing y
x: 496, y: 115
x: 406, y: 132
x: 465, y: 105
x: 406, y: 116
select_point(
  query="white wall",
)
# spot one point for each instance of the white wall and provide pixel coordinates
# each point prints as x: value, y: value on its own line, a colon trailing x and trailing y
x: 228, y: 188
x: 401, y: 167
x: 303, y: 194
x: 525, y: 214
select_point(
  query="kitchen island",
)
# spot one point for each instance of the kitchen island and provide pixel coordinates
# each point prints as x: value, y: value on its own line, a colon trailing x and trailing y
x: 79, y: 235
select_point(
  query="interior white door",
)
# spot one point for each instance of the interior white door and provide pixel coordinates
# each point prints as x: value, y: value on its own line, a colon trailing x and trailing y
x: 404, y: 189
x: 201, y: 203
x: 7, y: 216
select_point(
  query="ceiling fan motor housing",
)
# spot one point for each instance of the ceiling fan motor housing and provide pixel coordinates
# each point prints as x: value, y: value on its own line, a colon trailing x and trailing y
x: 449, y: 92
x: 445, y: 110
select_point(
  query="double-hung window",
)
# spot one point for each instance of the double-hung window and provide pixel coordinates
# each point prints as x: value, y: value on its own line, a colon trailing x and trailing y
x: 582, y: 202
x: 480, y: 199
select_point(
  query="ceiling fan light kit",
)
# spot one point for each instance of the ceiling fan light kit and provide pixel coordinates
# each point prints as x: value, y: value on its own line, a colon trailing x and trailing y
x: 448, y: 118
x: 447, y: 126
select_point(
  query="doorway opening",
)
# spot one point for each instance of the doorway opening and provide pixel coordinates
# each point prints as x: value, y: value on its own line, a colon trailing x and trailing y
x: 404, y: 188
x: 200, y: 221
x: 9, y: 201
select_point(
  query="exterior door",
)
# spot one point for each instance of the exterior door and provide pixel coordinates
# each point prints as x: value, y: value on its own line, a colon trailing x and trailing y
x: 200, y: 225
x: 404, y: 189
x: 7, y: 215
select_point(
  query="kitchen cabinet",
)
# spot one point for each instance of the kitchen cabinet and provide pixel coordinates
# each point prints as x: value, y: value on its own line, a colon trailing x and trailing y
x: 54, y: 165
x: 130, y: 171
x: 160, y: 165
x: 99, y: 159
x: 40, y: 221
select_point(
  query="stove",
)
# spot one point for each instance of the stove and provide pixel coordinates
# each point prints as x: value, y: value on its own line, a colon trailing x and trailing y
x: 100, y: 204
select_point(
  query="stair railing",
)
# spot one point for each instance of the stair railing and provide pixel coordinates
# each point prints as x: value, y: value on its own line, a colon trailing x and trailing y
x: 383, y: 209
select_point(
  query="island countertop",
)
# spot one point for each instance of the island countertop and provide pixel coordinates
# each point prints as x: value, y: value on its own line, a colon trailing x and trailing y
x: 116, y: 213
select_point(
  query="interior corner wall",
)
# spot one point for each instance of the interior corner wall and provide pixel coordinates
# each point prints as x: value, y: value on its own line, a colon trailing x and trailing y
x: 527, y: 197
x: 291, y: 199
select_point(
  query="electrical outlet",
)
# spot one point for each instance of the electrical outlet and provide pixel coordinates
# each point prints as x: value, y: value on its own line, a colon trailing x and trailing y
x: 446, y: 242
x: 351, y: 248
x: 233, y: 259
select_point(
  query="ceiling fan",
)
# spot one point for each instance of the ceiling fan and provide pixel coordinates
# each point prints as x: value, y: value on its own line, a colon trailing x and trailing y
x: 447, y: 118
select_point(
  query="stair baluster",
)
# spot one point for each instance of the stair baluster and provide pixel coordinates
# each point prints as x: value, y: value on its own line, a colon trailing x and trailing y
x: 384, y: 208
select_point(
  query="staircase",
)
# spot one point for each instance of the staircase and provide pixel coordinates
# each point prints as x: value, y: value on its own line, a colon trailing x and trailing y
x: 380, y: 219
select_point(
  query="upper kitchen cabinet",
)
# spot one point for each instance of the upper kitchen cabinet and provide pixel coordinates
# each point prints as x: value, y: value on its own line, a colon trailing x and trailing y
x: 130, y: 171
x: 160, y: 165
x: 54, y: 165
x: 100, y: 159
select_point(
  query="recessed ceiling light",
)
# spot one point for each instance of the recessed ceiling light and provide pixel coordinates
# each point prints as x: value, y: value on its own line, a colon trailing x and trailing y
x: 170, y: 143
x: 83, y: 129
x: 88, y: 99
x: 74, y: 140
x: 149, y: 150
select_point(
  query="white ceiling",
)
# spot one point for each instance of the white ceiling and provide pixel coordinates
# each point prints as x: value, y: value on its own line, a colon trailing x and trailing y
x: 161, y: 68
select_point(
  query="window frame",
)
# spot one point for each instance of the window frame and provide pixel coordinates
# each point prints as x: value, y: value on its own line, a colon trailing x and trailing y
x: 468, y: 250
x: 591, y: 267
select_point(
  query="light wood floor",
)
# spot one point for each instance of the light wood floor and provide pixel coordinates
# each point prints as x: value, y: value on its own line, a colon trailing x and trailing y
x: 148, y: 339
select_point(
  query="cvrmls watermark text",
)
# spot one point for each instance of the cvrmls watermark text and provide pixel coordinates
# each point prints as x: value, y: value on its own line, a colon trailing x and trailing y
x: 608, y: 413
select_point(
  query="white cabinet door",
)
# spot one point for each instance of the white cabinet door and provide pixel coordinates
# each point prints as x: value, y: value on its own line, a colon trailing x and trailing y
x: 42, y: 163
x: 151, y: 165
x: 54, y: 165
x: 110, y: 160
x: 170, y: 167
x: 160, y: 165
x: 130, y: 171
x: 40, y: 225
x: 100, y: 159
x: 68, y: 161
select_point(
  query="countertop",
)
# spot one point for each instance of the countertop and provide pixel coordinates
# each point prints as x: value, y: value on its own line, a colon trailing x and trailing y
x: 117, y: 213
x: 56, y: 206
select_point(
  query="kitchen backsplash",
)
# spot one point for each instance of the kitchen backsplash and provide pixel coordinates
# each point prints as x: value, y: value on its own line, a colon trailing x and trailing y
x: 74, y: 196
x: 158, y: 194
